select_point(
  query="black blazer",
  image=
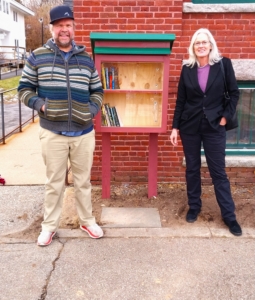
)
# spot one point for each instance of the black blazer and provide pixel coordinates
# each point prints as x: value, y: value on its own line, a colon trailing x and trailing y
x: 192, y: 103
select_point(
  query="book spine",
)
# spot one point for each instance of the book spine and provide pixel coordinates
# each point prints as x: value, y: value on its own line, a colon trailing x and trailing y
x: 106, y: 118
x: 103, y: 78
x: 107, y: 77
x: 103, y: 119
x: 116, y: 116
x: 113, y: 116
x: 109, y: 114
x: 113, y: 79
x: 116, y: 79
x: 110, y: 79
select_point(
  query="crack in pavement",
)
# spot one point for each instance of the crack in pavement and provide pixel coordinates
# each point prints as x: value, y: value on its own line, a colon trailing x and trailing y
x: 45, y: 287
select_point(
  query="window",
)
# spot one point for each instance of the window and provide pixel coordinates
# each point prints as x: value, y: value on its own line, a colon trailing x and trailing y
x: 221, y: 1
x: 3, y: 6
x: 0, y: 5
x: 243, y: 137
x: 15, y: 16
x: 7, y: 8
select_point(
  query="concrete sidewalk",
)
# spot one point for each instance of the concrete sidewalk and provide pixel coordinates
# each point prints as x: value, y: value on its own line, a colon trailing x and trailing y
x: 183, y: 263
x: 21, y: 159
x: 129, y: 269
x: 192, y: 261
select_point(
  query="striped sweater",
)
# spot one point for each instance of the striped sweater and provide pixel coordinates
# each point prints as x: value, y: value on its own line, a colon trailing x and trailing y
x: 70, y: 88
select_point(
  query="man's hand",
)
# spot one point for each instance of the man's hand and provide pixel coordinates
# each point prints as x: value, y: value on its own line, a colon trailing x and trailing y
x: 42, y: 108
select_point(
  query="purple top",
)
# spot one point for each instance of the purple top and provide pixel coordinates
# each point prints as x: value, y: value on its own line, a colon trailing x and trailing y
x: 202, y: 74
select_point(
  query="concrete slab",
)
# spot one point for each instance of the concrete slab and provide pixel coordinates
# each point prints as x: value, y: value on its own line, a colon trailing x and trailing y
x: 130, y: 217
x: 21, y: 159
x: 224, y: 232
x: 20, y: 206
x: 150, y: 268
x: 26, y: 269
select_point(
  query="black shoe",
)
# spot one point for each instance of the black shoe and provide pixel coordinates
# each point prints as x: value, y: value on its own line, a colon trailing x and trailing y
x: 192, y: 215
x: 234, y: 227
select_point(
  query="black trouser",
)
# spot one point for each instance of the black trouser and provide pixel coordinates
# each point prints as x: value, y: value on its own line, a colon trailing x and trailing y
x: 214, y: 143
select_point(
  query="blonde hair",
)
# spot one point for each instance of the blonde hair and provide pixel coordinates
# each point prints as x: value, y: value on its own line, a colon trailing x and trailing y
x: 214, y: 55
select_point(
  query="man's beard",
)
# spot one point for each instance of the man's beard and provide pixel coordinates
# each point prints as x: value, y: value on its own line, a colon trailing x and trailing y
x: 63, y: 45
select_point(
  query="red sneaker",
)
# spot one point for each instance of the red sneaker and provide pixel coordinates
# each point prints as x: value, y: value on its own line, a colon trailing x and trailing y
x: 94, y: 231
x: 45, y: 238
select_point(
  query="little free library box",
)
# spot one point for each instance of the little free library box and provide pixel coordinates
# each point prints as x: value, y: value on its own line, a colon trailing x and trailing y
x: 134, y: 70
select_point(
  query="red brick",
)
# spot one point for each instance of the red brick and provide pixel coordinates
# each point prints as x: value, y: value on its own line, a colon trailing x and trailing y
x: 234, y: 33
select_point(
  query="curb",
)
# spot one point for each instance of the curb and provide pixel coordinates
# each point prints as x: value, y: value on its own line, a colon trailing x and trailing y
x: 178, y: 232
x: 173, y: 232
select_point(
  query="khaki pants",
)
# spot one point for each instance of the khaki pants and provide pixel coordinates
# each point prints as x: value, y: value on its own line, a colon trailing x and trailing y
x: 56, y: 150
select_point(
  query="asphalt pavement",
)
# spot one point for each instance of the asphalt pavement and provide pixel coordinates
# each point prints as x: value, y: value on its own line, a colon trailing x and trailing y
x: 191, y: 262
x: 13, y: 73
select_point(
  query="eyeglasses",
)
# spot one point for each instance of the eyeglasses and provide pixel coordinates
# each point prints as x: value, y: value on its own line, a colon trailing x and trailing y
x: 203, y: 43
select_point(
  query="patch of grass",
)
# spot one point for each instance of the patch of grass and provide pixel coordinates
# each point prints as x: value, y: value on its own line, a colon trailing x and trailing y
x: 10, y: 83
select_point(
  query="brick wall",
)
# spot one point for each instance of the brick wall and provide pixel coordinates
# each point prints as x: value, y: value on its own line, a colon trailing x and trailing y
x: 234, y: 33
x: 235, y: 37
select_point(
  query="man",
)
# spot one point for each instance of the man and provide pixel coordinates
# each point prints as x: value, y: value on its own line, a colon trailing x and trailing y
x: 61, y: 82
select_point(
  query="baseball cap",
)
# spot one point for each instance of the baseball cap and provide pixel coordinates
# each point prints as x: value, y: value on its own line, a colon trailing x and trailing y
x: 60, y: 12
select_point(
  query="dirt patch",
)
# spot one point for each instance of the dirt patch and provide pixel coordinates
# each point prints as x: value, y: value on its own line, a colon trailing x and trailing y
x: 30, y: 233
x: 171, y: 203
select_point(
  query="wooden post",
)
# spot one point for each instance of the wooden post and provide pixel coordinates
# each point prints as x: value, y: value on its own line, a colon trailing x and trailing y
x: 153, y: 165
x: 106, y: 165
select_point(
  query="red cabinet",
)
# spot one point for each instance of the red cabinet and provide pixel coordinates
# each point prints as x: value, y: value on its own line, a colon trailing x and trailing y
x: 138, y: 92
x: 134, y: 70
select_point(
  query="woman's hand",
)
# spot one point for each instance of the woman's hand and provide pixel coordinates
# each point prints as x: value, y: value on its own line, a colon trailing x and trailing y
x: 173, y: 137
x: 223, y: 121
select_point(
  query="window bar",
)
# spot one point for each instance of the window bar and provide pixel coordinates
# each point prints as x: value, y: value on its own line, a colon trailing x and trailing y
x: 252, y: 116
x: 2, y: 112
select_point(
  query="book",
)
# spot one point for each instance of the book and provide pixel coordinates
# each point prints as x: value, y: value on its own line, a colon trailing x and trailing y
x: 116, y: 79
x: 103, y: 78
x: 105, y: 119
x: 107, y: 107
x: 110, y: 79
x: 113, y: 116
x: 107, y: 77
x: 116, y: 118
x: 113, y: 79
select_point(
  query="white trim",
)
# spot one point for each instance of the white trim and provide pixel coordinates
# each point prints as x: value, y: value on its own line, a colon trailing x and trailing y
x: 244, y: 68
x: 21, y: 8
x: 235, y: 161
x: 189, y: 7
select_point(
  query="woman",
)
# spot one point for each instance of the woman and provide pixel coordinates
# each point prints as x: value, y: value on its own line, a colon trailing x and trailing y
x: 200, y: 116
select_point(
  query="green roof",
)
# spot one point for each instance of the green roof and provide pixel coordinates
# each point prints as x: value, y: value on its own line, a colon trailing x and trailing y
x: 131, y: 37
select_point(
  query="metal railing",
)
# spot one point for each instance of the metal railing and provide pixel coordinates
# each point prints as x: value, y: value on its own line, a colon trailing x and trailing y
x: 20, y: 124
x: 11, y: 66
